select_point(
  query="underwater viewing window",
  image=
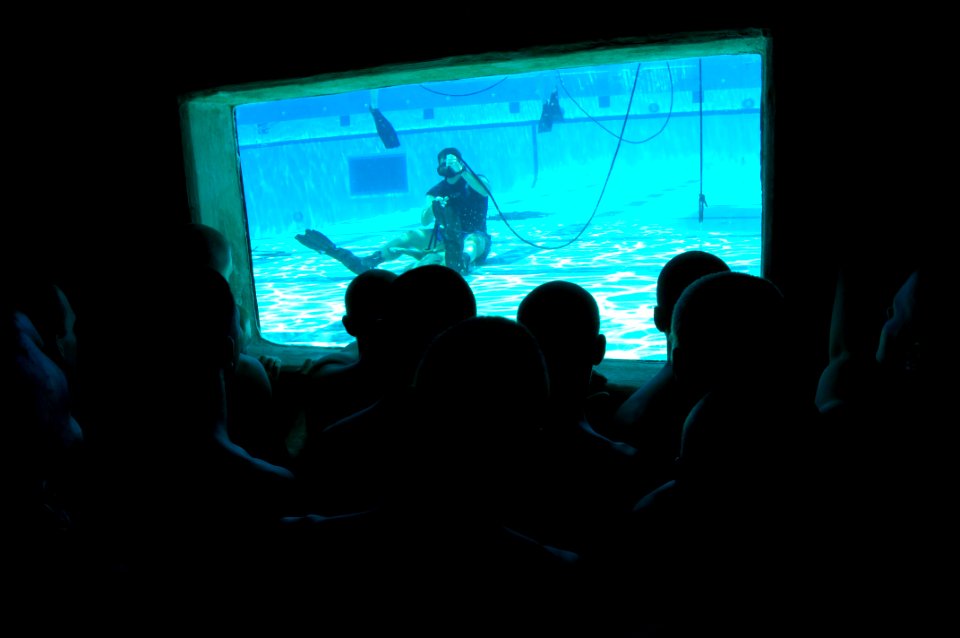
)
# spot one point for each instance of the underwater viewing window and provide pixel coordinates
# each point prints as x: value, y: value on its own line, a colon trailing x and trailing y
x: 602, y: 164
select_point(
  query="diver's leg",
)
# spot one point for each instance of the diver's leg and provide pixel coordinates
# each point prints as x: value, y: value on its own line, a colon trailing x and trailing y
x: 430, y: 258
x: 322, y: 244
x: 453, y: 250
x: 412, y: 243
x: 475, y: 249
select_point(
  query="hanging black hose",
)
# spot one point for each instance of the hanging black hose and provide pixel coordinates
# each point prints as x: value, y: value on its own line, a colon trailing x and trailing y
x: 620, y: 141
x: 477, y: 92
x: 703, y: 198
x: 605, y: 129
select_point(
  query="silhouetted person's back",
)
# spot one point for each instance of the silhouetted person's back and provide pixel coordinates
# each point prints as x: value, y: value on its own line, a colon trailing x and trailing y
x: 652, y: 417
x: 44, y: 493
x: 899, y: 372
x: 725, y: 541
x: 435, y: 555
x: 189, y: 504
x: 255, y: 423
x: 728, y: 543
x: 51, y: 329
x: 334, y: 388
x: 585, y: 477
x: 347, y: 466
x: 42, y: 552
x: 893, y: 455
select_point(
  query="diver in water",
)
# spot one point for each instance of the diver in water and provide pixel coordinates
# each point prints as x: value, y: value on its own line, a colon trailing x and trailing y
x: 454, y: 224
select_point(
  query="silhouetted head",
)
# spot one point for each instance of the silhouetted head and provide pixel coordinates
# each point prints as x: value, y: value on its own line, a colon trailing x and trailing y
x: 205, y: 245
x: 422, y: 303
x: 733, y: 437
x: 207, y: 328
x: 482, y: 387
x: 565, y: 320
x: 729, y: 328
x: 678, y: 273
x: 365, y: 300
x: 506, y: 367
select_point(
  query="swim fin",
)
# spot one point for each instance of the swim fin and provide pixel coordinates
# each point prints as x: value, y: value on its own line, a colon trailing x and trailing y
x: 384, y: 129
x: 316, y: 240
x: 322, y: 244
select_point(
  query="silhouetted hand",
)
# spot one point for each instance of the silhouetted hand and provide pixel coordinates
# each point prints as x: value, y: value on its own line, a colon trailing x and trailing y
x: 271, y: 365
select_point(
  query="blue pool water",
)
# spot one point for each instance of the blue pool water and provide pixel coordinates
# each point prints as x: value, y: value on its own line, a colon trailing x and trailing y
x: 576, y: 202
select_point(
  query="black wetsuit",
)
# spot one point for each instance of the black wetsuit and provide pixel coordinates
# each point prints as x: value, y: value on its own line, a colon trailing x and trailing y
x: 464, y: 214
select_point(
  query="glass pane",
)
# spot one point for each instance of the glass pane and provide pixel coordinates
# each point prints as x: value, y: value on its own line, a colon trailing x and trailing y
x: 598, y: 175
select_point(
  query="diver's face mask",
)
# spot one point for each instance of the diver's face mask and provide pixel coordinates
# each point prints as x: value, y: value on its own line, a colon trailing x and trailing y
x: 444, y: 169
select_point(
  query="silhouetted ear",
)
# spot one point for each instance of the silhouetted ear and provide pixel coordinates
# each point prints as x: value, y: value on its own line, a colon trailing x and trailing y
x: 348, y: 325
x: 658, y: 319
x: 599, y: 349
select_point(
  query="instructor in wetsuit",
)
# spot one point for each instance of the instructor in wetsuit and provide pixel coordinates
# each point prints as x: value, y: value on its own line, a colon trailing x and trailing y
x: 454, y: 225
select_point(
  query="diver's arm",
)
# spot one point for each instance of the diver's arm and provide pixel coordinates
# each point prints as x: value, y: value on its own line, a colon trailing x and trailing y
x: 426, y: 216
x: 479, y: 184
